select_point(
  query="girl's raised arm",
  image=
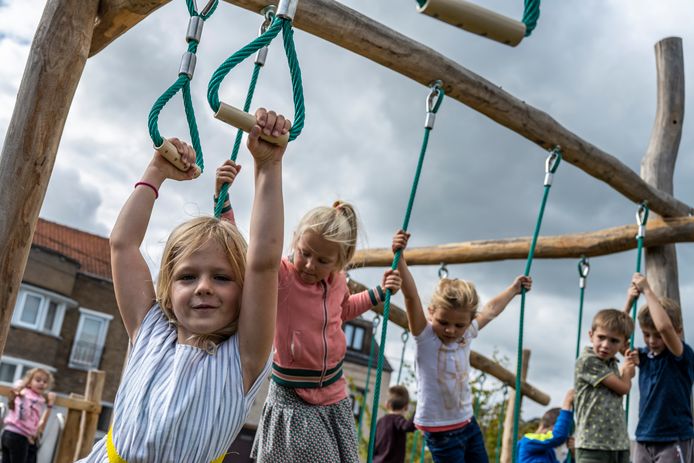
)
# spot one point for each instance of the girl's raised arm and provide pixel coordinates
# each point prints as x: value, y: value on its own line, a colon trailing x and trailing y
x: 132, y: 280
x: 259, y: 301
x: 413, y: 305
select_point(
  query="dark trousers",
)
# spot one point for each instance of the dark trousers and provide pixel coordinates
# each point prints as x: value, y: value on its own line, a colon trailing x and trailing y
x: 458, y: 446
x: 16, y: 448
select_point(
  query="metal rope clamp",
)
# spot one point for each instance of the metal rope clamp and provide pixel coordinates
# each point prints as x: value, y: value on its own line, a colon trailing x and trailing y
x: 641, y: 220
x: 269, y: 13
x: 551, y: 165
x: 286, y: 9
x: 374, y: 324
x: 443, y: 271
x: 194, y: 34
x: 405, y: 336
x: 432, y: 104
x: 583, y: 271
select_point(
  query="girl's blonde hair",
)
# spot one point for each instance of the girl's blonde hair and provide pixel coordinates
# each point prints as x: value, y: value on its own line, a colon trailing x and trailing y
x: 337, y: 224
x: 185, y: 240
x: 455, y: 295
x: 29, y: 375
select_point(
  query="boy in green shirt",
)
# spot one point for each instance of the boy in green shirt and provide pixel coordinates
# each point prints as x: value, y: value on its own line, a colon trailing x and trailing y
x: 601, y: 427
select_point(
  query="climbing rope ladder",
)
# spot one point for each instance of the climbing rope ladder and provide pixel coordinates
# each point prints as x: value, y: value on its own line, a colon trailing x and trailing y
x: 551, y: 166
x: 433, y: 102
x: 185, y: 75
x: 478, y: 20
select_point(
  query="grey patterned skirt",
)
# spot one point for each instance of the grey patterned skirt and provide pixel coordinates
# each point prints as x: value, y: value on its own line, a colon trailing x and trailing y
x: 294, y: 431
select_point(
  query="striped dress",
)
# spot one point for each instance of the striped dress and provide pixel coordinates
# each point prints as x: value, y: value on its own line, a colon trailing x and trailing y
x: 177, y: 403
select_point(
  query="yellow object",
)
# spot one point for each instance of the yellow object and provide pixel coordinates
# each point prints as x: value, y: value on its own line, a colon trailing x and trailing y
x: 113, y: 456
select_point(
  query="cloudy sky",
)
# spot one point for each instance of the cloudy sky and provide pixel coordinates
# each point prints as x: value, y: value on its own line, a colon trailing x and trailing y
x: 589, y: 64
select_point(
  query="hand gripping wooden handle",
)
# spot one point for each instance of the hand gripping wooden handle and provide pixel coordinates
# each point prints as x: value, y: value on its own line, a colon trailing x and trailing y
x: 244, y: 121
x: 171, y: 154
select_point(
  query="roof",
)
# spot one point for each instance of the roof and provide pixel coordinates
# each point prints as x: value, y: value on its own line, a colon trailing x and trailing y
x: 91, y: 251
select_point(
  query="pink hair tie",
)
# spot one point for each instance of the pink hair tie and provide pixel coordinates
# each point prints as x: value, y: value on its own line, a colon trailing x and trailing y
x: 154, y: 189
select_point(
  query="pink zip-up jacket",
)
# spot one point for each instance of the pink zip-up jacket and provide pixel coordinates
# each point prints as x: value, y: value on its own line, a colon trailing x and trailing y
x: 309, y: 327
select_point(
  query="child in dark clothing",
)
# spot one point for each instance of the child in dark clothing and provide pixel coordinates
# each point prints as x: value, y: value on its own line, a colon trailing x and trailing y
x: 546, y: 445
x: 392, y: 429
x: 664, y: 433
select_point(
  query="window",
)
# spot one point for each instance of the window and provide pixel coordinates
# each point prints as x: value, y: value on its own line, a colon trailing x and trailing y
x: 356, y: 396
x: 40, y: 310
x: 12, y: 369
x: 89, y: 340
x: 104, y: 422
x: 355, y: 337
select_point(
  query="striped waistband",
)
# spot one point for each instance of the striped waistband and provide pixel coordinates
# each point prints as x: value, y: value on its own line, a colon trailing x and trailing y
x: 305, y: 379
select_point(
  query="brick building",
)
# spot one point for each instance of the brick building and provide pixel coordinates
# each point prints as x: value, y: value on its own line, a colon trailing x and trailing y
x: 66, y: 319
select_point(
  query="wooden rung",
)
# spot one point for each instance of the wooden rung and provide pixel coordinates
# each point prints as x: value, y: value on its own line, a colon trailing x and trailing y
x: 473, y: 18
x: 244, y: 121
x: 171, y: 154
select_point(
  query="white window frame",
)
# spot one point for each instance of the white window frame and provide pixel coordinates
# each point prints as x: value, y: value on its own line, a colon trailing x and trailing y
x: 7, y: 359
x: 62, y: 304
x: 106, y: 320
x: 350, y: 337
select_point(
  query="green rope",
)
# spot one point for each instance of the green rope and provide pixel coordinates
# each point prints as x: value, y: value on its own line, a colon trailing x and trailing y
x: 415, y: 442
x: 424, y: 448
x: 531, y: 14
x: 583, y: 269
x: 405, y: 336
x: 374, y: 330
x: 641, y: 220
x: 224, y: 191
x: 182, y: 83
x: 434, y: 101
x: 278, y: 24
x: 500, y: 427
x: 551, y: 167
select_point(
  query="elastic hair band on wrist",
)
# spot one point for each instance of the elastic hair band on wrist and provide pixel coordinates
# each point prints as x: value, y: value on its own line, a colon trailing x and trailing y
x: 154, y: 189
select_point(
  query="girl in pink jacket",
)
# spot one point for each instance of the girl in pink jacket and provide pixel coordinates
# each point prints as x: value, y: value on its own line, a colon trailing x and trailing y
x: 29, y: 404
x: 308, y: 415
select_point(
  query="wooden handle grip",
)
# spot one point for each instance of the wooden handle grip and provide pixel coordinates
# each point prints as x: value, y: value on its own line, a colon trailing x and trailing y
x: 244, y: 121
x: 171, y: 154
x: 475, y: 19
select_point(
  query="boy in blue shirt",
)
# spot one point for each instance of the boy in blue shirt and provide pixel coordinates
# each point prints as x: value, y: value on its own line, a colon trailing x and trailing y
x: 664, y: 432
x: 546, y: 444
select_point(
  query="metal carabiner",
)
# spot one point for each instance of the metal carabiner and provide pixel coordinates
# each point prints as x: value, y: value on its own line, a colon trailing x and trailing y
x: 208, y: 7
x: 551, y: 164
x: 642, y: 219
x: 583, y: 271
x: 432, y: 104
x: 269, y: 13
x: 374, y: 324
x: 443, y: 271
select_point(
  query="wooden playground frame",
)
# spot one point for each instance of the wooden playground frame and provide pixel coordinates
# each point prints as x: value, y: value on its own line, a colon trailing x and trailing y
x: 71, y: 31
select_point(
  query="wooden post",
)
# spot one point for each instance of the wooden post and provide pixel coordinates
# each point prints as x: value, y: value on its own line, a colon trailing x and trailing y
x: 56, y: 60
x: 507, y: 439
x: 90, y: 419
x: 70, y: 435
x: 658, y: 164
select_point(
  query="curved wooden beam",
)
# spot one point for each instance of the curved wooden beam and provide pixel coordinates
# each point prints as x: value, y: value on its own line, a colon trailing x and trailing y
x: 477, y: 360
x: 599, y: 243
x: 116, y: 17
x: 336, y: 23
